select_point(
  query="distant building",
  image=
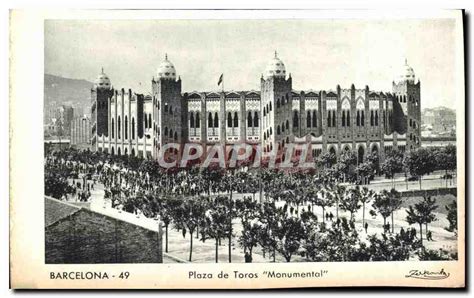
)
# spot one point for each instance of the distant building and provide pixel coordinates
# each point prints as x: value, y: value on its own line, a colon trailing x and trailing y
x: 440, y: 121
x: 81, y: 132
x: 360, y: 120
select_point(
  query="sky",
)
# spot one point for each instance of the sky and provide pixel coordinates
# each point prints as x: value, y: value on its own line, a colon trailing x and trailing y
x: 319, y: 54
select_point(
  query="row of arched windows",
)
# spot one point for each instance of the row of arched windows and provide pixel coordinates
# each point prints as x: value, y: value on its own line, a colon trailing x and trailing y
x: 284, y: 100
x: 252, y: 121
x: 195, y: 120
x: 360, y: 119
x: 169, y: 133
x: 311, y: 119
x: 119, y: 128
x: 148, y: 122
x: 232, y: 121
x: 284, y: 126
x: 213, y: 122
x: 267, y: 108
x: 346, y: 118
x: 374, y: 118
x: 331, y: 118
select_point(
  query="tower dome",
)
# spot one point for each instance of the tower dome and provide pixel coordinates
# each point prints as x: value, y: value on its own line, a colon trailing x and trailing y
x: 275, y: 68
x: 407, y: 73
x: 166, y: 69
x: 102, y: 81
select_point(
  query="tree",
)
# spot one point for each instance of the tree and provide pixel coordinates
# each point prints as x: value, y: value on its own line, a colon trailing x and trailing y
x: 290, y: 231
x: 350, y: 201
x: 392, y: 164
x: 446, y: 159
x: 398, y: 247
x: 365, y: 170
x: 381, y: 205
x: 323, y: 199
x: 326, y: 160
x: 216, y: 224
x: 419, y: 162
x: 452, y: 217
x: 187, y: 218
x: 248, y: 212
x: 429, y: 206
x: 395, y: 203
x: 422, y: 213
x: 365, y: 196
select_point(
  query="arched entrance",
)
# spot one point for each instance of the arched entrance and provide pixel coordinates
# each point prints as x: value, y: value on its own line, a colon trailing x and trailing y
x: 119, y: 152
x: 112, y: 151
x: 332, y: 150
x: 133, y: 152
x: 360, y: 155
x: 376, y: 157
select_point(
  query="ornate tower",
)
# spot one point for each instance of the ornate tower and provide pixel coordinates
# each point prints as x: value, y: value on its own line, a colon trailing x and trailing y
x: 100, y: 94
x: 407, y: 107
x: 276, y: 106
x: 169, y: 110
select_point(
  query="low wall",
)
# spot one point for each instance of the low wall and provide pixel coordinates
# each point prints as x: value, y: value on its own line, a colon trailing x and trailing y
x: 89, y: 237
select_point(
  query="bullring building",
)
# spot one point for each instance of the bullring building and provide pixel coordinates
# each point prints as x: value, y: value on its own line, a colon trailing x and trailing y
x: 361, y: 120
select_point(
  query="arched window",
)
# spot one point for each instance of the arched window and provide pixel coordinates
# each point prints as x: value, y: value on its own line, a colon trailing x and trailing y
x: 295, y: 119
x: 343, y: 118
x: 334, y: 118
x: 209, y: 120
x: 308, y: 119
x: 166, y: 131
x: 376, y: 118
x: 171, y: 110
x: 126, y: 128
x: 362, y: 119
x: 198, y: 120
x: 358, y: 118
x: 283, y: 127
x: 348, y: 118
x: 255, y: 119
x: 264, y: 111
x: 329, y: 119
x: 287, y: 125
x: 171, y: 133
x: 216, y: 120
x: 119, y: 128
x: 191, y: 119
x: 372, y: 118
x: 249, y: 119
x: 166, y: 108
x: 175, y: 136
x: 113, y: 129
x: 236, y: 119
x: 133, y: 128
x: 146, y: 120
x: 315, y: 119
x: 149, y: 121
x: 278, y: 130
x: 270, y: 105
x: 229, y: 119
x: 278, y: 103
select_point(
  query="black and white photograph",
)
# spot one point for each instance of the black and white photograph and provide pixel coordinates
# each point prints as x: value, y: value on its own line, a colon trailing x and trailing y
x: 260, y: 140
